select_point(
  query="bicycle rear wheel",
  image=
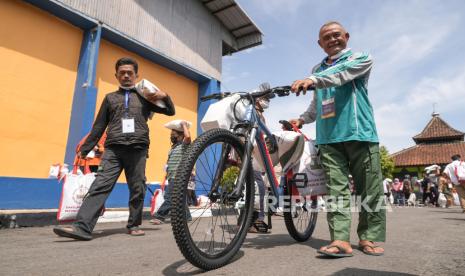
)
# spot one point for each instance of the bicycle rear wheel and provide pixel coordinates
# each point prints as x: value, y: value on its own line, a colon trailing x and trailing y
x: 300, y: 213
x: 216, y: 230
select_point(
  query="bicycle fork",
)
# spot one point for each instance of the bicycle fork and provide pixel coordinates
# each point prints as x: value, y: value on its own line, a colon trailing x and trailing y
x: 246, y: 159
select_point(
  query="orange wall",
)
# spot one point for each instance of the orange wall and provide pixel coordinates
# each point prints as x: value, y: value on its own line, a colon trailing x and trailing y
x: 183, y: 92
x: 39, y: 55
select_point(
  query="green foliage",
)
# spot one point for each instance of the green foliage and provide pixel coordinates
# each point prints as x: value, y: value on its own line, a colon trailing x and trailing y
x: 387, y: 163
x: 229, y: 178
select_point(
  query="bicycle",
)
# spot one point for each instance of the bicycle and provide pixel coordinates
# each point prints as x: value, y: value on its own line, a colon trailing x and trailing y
x: 222, y: 160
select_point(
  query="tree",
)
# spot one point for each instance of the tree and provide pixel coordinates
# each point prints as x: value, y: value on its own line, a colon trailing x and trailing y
x: 387, y: 163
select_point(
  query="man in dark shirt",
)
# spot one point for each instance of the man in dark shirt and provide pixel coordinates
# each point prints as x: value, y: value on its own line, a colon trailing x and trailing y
x: 124, y: 114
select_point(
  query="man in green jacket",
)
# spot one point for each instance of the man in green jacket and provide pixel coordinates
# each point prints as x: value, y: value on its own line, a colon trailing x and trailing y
x: 347, y: 139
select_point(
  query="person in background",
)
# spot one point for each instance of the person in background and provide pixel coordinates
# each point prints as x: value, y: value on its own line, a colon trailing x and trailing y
x: 180, y: 139
x: 451, y: 172
x: 124, y: 115
x: 258, y: 224
x: 397, y: 192
x: 94, y: 157
x: 445, y: 187
x: 191, y: 196
x: 428, y: 192
x: 407, y: 188
x: 387, y: 182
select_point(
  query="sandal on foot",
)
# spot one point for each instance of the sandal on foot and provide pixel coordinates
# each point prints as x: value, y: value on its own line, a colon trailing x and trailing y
x: 72, y: 232
x: 156, y: 221
x: 252, y: 230
x: 364, y: 248
x: 135, y: 231
x: 341, y: 254
x: 260, y: 226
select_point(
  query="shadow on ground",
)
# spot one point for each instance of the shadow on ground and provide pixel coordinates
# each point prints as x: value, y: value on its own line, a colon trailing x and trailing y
x: 108, y: 232
x: 183, y: 267
x: 367, y: 272
x: 266, y: 241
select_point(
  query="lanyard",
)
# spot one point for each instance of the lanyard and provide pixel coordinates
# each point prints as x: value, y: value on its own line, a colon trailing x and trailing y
x: 126, y: 103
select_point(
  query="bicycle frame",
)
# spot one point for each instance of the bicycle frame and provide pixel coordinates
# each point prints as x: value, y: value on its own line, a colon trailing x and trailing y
x: 256, y: 133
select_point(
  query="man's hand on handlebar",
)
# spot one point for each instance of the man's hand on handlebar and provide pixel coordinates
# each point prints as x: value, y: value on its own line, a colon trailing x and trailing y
x: 301, y: 86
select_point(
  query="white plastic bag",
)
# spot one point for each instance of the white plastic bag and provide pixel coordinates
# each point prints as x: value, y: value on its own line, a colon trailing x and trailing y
x: 310, y: 166
x: 442, y: 200
x: 222, y: 113
x: 456, y: 199
x: 391, y: 198
x: 157, y: 201
x: 54, y: 171
x: 460, y: 171
x: 291, y: 146
x: 75, y: 188
x: 412, y: 199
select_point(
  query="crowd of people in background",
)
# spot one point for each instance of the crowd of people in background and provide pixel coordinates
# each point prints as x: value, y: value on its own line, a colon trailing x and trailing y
x: 439, y: 187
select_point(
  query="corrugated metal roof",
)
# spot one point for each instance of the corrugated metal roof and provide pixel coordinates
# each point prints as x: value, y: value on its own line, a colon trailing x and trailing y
x: 234, y: 18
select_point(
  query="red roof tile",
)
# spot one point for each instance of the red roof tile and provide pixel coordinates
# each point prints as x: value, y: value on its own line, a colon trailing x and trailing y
x: 428, y: 154
x: 438, y: 130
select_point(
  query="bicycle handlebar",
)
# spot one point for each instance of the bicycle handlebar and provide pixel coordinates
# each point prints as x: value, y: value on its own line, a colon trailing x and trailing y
x: 280, y: 91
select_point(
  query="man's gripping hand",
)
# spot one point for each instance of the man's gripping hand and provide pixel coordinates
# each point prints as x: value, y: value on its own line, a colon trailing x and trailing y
x: 301, y: 86
x: 159, y: 95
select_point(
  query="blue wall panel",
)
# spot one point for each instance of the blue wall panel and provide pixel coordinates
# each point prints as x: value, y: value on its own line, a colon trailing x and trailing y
x: 85, y: 92
x: 38, y: 193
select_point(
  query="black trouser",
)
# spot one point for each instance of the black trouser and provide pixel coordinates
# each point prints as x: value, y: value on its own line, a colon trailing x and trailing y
x: 114, y: 160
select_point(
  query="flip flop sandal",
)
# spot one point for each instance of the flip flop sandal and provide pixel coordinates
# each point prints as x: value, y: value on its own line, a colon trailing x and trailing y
x: 261, y: 226
x: 71, y: 232
x: 136, y: 231
x: 156, y: 221
x: 364, y: 247
x: 252, y: 230
x: 333, y: 254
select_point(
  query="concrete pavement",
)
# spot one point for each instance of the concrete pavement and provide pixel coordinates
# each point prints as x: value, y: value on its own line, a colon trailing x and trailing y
x: 421, y: 241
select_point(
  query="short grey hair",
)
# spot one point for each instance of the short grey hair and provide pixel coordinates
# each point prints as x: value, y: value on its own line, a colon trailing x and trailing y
x: 329, y: 23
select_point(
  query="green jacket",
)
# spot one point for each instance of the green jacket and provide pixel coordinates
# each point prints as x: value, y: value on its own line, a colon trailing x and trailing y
x: 342, y: 86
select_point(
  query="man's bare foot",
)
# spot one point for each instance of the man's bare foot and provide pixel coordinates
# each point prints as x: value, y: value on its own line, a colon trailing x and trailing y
x: 337, y: 248
x: 370, y: 248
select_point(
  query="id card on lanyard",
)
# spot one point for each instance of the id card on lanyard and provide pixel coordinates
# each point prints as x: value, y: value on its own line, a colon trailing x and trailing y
x: 328, y: 109
x: 127, y: 122
x: 328, y: 106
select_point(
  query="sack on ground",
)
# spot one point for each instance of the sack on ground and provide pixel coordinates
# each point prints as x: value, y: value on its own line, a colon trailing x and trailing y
x: 74, y: 189
x: 156, y: 201
x: 310, y: 168
x: 442, y: 200
x: 412, y: 199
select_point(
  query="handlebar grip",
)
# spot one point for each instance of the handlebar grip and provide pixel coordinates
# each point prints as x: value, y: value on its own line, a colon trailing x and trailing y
x: 215, y: 96
x: 286, y: 125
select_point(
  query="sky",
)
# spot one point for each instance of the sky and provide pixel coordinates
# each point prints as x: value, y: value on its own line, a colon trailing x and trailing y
x: 417, y: 48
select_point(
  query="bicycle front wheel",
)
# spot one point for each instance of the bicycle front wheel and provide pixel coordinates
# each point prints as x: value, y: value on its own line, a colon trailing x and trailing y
x: 300, y: 213
x: 211, y: 233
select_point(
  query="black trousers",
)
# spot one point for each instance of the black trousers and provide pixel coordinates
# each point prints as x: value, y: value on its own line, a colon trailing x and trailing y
x: 114, y: 160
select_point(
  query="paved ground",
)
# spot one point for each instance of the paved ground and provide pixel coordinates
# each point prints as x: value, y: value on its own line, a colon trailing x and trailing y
x: 422, y: 241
